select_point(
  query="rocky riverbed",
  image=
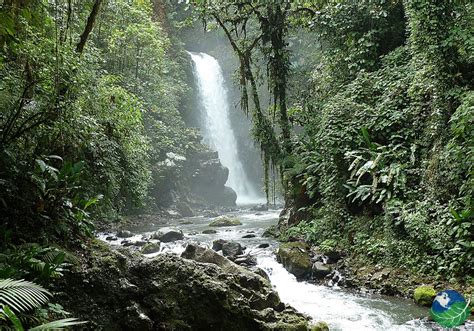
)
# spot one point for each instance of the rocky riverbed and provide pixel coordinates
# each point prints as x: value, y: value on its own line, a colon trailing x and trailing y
x: 180, y: 264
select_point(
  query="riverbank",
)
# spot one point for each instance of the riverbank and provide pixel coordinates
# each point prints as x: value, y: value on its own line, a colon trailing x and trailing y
x: 368, y: 308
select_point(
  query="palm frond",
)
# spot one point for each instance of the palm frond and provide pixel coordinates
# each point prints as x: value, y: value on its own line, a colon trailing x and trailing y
x: 22, y: 295
x: 58, y: 325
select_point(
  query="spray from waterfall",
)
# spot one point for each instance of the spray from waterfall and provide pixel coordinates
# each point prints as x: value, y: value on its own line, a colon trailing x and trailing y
x: 216, y: 126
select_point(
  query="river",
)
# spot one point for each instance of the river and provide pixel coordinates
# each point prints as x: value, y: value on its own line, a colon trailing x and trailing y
x: 341, y: 309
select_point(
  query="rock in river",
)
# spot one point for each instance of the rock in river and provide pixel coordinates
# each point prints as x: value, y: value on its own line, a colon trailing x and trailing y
x: 231, y: 249
x: 225, y: 221
x: 295, y: 258
x: 168, y: 235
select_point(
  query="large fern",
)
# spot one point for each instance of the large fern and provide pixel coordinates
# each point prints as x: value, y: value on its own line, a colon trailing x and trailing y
x: 21, y: 295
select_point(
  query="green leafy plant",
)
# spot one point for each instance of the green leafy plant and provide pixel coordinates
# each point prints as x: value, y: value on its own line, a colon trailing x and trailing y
x: 23, y: 296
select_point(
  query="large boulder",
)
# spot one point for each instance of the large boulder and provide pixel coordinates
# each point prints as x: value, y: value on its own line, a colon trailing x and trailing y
x: 225, y: 221
x: 171, y: 293
x: 295, y: 258
x: 168, y: 235
x: 231, y: 249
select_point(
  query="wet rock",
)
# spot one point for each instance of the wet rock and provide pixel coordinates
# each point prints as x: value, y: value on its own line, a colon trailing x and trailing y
x: 261, y: 272
x: 231, y: 249
x: 184, y: 209
x: 249, y: 236
x: 124, y: 234
x: 320, y: 326
x: 261, y: 207
x: 140, y: 243
x: 295, y: 258
x: 424, y: 295
x: 320, y: 270
x: 150, y: 248
x: 225, y: 221
x: 217, y: 244
x: 169, y: 235
x: 246, y: 260
x: 126, y: 243
x: 110, y: 238
x: 264, y: 245
x: 209, y: 231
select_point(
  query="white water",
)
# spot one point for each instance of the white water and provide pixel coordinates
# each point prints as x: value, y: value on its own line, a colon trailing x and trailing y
x: 342, y: 310
x: 216, y: 127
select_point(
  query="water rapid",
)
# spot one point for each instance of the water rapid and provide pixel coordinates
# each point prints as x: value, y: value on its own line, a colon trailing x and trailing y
x: 341, y: 309
x: 216, y: 126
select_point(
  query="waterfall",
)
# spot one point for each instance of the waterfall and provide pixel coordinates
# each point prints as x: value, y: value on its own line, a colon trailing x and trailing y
x: 216, y: 126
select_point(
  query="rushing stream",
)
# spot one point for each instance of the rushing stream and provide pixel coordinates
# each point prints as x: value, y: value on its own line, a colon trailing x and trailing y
x: 341, y: 309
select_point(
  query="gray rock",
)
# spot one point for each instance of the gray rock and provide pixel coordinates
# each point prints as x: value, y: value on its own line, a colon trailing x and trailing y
x: 110, y: 238
x: 174, y: 293
x: 225, y: 221
x: 231, y: 249
x: 320, y: 270
x: 171, y: 235
x: 140, y: 243
x: 217, y: 244
x: 124, y: 234
x: 209, y: 231
x: 264, y: 245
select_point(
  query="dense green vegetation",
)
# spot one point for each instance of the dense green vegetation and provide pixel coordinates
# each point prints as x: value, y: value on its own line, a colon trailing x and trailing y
x: 384, y: 165
x: 89, y: 96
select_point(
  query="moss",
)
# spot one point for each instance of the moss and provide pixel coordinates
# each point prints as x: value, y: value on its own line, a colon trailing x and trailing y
x: 295, y: 258
x: 424, y: 295
x: 320, y: 326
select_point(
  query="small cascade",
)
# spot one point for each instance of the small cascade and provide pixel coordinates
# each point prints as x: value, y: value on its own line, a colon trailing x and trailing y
x: 216, y: 126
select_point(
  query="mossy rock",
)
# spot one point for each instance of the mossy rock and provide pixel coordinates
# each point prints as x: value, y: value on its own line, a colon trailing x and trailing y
x: 151, y: 248
x: 295, y: 258
x: 424, y: 295
x: 225, y: 221
x: 320, y: 326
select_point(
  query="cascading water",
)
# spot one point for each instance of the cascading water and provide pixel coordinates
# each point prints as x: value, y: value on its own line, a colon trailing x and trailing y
x: 216, y: 126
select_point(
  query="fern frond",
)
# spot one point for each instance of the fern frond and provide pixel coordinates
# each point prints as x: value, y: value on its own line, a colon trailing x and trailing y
x: 58, y: 325
x: 22, y: 295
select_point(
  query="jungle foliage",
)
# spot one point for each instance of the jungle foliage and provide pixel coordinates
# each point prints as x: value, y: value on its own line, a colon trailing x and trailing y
x: 90, y: 94
x: 384, y: 163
